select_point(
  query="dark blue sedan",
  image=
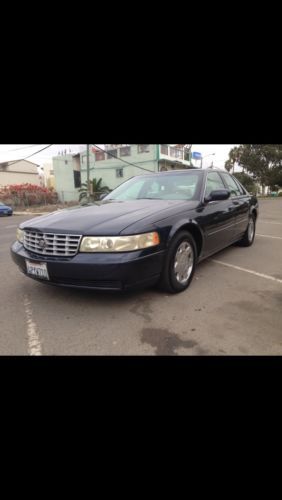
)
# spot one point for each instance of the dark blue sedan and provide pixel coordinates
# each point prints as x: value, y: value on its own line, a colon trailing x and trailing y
x: 5, y: 210
x: 151, y: 229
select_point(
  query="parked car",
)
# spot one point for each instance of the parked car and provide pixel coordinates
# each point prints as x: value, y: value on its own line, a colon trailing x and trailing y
x: 5, y: 210
x: 151, y: 229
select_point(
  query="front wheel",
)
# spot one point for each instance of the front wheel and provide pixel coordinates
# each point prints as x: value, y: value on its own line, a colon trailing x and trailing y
x: 180, y: 263
x: 249, y: 234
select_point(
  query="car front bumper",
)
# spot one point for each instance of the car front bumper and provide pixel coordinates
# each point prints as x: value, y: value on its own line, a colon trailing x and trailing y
x: 7, y: 211
x: 120, y: 271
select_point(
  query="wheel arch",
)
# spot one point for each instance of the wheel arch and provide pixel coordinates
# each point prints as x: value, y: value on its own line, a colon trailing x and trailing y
x: 193, y: 228
x: 254, y: 212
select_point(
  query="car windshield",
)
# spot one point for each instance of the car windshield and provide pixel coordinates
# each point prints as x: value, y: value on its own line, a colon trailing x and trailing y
x: 178, y: 186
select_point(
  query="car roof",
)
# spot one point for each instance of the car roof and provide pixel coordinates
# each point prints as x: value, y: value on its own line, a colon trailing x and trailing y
x: 184, y: 171
x: 170, y: 172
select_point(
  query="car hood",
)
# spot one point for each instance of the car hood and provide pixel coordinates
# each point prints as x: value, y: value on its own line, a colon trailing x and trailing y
x: 105, y: 218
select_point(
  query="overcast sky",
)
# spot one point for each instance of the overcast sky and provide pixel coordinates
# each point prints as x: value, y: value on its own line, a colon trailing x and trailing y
x: 221, y: 154
x: 10, y: 152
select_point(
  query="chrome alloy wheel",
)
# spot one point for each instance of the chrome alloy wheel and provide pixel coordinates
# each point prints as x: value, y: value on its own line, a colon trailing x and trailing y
x: 251, y: 229
x: 183, y: 262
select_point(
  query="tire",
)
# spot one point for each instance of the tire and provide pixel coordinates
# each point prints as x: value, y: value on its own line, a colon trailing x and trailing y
x: 181, y: 256
x: 250, y: 232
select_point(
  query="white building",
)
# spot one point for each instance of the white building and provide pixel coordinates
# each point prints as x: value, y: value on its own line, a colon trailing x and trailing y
x: 19, y: 172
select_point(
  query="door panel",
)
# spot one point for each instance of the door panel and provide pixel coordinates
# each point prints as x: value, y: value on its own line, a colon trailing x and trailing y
x: 242, y: 214
x: 218, y: 221
x: 218, y: 216
x: 240, y: 203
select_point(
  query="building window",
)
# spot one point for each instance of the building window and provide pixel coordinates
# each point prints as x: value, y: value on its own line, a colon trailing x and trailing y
x: 99, y: 155
x: 125, y: 151
x: 66, y: 162
x: 119, y: 172
x: 176, y: 153
x: 77, y: 178
x: 164, y: 149
x: 110, y: 153
x: 143, y: 148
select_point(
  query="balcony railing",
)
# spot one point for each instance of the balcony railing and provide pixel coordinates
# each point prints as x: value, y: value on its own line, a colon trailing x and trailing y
x: 179, y: 154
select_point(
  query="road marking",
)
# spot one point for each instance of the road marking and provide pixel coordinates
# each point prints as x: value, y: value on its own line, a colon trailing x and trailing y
x: 10, y: 227
x: 266, y: 276
x: 267, y: 222
x: 267, y: 236
x: 34, y: 345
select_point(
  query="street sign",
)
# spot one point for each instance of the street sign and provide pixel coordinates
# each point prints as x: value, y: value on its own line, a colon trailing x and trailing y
x: 196, y: 155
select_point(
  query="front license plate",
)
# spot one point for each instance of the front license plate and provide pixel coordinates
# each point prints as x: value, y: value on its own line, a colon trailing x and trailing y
x: 37, y: 269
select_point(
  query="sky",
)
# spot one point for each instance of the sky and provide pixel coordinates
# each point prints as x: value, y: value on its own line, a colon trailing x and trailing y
x: 10, y: 152
x: 221, y: 154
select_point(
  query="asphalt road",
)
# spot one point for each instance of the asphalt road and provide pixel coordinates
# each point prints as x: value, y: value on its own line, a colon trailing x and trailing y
x: 233, y: 307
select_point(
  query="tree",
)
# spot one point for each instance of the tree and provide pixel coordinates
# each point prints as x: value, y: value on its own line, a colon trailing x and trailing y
x: 234, y: 157
x: 262, y: 161
x: 96, y: 189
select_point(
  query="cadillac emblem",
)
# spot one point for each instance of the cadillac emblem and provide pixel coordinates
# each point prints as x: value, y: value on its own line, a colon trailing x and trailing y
x: 42, y: 244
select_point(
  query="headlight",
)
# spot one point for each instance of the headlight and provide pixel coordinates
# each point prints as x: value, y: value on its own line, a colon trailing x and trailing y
x: 20, y: 235
x: 119, y: 243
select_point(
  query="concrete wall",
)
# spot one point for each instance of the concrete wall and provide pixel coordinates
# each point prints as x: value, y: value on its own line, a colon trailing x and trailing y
x: 20, y: 172
x: 63, y: 167
x: 49, y: 179
x: 7, y: 178
x: 107, y: 168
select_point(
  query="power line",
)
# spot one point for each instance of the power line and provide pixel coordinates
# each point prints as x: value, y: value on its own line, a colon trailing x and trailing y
x: 124, y: 161
x: 29, y: 156
x: 24, y: 147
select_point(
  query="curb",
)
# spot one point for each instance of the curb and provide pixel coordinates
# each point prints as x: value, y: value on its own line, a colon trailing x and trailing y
x: 31, y: 213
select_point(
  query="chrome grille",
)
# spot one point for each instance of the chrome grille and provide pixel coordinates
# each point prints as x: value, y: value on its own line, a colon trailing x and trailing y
x: 64, y: 245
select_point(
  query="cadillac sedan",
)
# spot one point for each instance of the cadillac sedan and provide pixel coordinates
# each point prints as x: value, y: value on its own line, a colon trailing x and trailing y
x: 152, y: 229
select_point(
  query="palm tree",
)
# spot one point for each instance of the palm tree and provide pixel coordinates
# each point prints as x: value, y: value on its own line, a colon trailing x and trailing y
x: 96, y: 189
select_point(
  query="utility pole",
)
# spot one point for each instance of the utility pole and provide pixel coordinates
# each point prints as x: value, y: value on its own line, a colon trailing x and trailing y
x: 88, y: 172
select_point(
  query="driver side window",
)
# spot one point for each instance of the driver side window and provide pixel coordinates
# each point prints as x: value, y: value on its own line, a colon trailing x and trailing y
x: 214, y: 182
x: 232, y: 186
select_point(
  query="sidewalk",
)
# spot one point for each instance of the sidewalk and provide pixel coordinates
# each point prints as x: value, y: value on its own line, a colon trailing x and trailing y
x: 44, y: 210
x: 32, y: 213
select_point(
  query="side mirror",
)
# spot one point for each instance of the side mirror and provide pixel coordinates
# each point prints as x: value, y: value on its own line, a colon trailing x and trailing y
x: 218, y: 195
x: 102, y: 196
